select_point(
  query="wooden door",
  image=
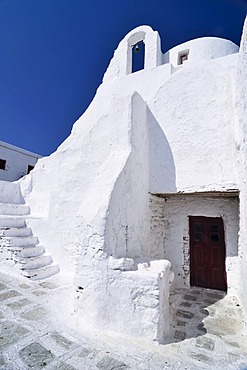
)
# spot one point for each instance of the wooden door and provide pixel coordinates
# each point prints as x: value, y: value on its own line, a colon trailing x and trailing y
x: 207, y: 253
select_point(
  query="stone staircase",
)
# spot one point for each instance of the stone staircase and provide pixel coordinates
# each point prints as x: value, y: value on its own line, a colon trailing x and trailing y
x: 17, y: 243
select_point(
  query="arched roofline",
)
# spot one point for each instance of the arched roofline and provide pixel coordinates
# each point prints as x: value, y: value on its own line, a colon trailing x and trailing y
x: 121, y: 63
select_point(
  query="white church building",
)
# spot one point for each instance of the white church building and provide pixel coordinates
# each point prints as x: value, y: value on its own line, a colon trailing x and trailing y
x: 148, y: 193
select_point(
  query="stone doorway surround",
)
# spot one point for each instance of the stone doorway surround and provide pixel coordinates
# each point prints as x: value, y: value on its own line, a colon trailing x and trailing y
x: 172, y: 232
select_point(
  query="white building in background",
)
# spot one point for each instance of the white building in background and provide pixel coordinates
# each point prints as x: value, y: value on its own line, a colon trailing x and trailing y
x: 15, y: 162
x: 149, y: 190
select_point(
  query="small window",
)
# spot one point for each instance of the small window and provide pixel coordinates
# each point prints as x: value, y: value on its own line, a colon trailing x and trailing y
x: 2, y: 164
x: 214, y: 233
x: 29, y: 168
x: 198, y: 233
x: 183, y: 56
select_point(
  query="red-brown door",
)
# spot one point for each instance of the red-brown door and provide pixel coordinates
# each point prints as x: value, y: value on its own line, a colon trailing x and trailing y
x: 207, y: 253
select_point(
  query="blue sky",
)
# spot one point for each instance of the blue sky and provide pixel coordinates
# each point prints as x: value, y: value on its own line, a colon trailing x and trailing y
x: 53, y: 54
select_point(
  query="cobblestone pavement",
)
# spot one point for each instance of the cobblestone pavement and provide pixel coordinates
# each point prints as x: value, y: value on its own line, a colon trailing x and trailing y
x: 206, y: 333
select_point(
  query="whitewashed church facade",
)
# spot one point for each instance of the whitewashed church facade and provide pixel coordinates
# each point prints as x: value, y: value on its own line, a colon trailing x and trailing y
x: 149, y: 190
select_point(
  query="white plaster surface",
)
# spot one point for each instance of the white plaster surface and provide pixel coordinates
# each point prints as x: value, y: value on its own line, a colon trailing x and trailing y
x: 121, y: 63
x: 133, y: 303
x: 10, y: 193
x: 241, y: 113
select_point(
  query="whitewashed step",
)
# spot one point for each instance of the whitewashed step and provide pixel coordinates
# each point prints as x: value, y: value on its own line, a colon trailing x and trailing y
x: 15, y: 231
x: 12, y: 222
x: 14, y: 209
x: 24, y: 241
x: 43, y: 273
x: 36, y: 251
x: 34, y: 262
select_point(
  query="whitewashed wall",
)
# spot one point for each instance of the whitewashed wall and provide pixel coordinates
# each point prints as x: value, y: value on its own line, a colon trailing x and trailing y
x: 108, y: 297
x: 17, y: 161
x: 127, y: 229
x: 241, y: 113
x: 194, y: 109
x: 10, y: 193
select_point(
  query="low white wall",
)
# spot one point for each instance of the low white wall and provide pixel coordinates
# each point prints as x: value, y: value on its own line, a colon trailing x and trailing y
x: 17, y: 161
x: 10, y: 193
x: 132, y: 303
x: 172, y: 233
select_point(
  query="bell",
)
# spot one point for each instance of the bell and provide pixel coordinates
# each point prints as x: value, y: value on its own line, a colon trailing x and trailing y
x: 137, y: 48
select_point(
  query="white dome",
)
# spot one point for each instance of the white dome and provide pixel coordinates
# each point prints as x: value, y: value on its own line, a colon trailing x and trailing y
x: 200, y: 49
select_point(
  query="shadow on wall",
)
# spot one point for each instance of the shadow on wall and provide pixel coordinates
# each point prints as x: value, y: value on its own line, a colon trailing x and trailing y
x: 162, y: 173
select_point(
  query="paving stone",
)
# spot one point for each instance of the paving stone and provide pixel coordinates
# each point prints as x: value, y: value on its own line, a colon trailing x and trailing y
x: 24, y: 286
x: 201, y: 358
x: 185, y: 304
x: 19, y: 304
x: 38, y: 292
x: 196, y: 291
x: 64, y: 366
x: 11, y: 333
x: 219, y: 295
x: 234, y: 344
x: 2, y: 286
x: 180, y: 335
x: 109, y: 363
x: 9, y: 294
x: 48, y: 284
x: 201, y: 327
x: 84, y: 352
x: 2, y: 362
x: 204, y: 342
x: 90, y: 353
x: 181, y: 323
x: 219, y: 330
x: 61, y: 340
x: 36, y: 356
x: 160, y: 363
x: 185, y: 314
x: 35, y: 314
x: 190, y: 297
x: 208, y: 301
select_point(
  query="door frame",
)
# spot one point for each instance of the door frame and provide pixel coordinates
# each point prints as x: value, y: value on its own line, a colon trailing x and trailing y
x: 207, y: 250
